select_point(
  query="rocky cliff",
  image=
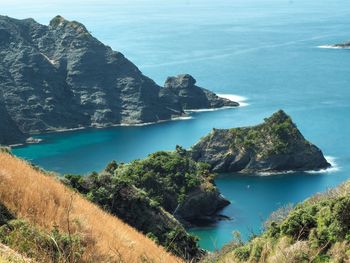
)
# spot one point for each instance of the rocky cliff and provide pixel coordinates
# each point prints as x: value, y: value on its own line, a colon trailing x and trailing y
x: 9, y: 131
x: 59, y: 77
x: 273, y: 146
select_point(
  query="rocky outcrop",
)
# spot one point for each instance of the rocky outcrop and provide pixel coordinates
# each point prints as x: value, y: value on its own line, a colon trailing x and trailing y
x: 193, y: 97
x: 342, y: 45
x: 60, y: 77
x: 273, y: 146
x: 200, y: 207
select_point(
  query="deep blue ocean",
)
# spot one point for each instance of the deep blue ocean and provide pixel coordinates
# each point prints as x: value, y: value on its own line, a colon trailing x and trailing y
x: 263, y: 50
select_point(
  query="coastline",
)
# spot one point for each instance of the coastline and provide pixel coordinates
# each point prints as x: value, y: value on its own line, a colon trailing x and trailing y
x: 332, y: 169
x: 240, y: 100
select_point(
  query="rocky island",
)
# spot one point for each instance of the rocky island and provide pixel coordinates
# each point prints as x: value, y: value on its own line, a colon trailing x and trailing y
x: 273, y: 146
x: 60, y: 77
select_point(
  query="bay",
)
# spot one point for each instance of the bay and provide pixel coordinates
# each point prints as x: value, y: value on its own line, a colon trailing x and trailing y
x: 264, y: 50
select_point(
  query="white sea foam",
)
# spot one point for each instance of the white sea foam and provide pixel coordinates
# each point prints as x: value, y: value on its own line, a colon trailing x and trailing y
x: 205, y: 110
x: 330, y: 159
x: 334, y: 166
x: 181, y: 118
x: 332, y: 47
x: 275, y: 173
x: 234, y: 97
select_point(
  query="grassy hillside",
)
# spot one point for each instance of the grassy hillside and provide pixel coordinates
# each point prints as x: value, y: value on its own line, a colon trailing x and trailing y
x: 316, y: 230
x: 47, y: 206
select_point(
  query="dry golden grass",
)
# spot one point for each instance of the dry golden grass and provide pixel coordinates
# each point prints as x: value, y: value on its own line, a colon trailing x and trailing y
x: 45, y: 202
x: 8, y: 255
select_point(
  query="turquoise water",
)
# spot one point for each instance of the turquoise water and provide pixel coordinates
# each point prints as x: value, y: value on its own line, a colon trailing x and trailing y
x: 264, y: 50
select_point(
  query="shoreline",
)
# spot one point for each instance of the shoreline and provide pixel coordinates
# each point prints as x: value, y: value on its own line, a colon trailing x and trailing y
x: 330, y: 159
x: 240, y: 100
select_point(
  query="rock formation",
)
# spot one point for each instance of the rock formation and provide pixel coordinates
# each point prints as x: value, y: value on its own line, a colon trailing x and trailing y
x: 273, y: 146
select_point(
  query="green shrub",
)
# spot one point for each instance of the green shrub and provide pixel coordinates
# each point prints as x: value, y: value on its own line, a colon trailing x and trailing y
x: 242, y: 253
x: 39, y: 245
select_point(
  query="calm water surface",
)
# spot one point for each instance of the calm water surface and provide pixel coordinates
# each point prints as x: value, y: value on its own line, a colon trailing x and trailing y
x: 264, y: 50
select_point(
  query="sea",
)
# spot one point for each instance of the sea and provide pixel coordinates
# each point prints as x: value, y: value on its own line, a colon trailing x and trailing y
x: 267, y: 54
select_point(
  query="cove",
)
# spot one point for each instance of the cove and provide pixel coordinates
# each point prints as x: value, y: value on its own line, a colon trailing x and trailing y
x: 264, y: 50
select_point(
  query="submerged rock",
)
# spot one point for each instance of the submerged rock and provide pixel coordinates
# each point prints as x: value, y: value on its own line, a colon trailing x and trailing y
x: 193, y: 97
x: 59, y: 77
x: 273, y: 146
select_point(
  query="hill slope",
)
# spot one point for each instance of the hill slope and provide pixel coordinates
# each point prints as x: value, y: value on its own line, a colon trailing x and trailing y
x: 43, y: 201
x: 317, y: 230
x: 155, y: 195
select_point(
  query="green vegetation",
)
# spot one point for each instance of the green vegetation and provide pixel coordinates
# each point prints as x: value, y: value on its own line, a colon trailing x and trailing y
x: 274, y: 136
x: 38, y: 244
x: 145, y: 193
x: 317, y: 230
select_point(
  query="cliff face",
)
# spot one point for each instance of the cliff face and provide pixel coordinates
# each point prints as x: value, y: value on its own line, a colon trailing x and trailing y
x: 9, y: 132
x: 59, y: 76
x: 274, y: 146
x: 193, y: 97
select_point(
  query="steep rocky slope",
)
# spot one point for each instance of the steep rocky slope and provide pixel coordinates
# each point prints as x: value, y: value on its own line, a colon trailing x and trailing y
x: 9, y: 131
x: 59, y: 76
x: 273, y: 146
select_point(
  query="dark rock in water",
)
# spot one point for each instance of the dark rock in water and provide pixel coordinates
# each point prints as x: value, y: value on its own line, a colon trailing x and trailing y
x: 342, y: 45
x: 273, y: 146
x: 193, y: 97
x: 60, y: 77
x: 201, y: 206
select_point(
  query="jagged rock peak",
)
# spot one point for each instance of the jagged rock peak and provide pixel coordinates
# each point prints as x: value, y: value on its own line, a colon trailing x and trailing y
x: 180, y: 81
x: 279, y: 117
x: 60, y: 21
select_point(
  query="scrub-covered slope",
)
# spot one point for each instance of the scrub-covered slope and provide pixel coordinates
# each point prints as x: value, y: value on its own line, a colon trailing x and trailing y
x: 273, y: 146
x: 50, y: 213
x: 157, y: 194
x: 316, y: 230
